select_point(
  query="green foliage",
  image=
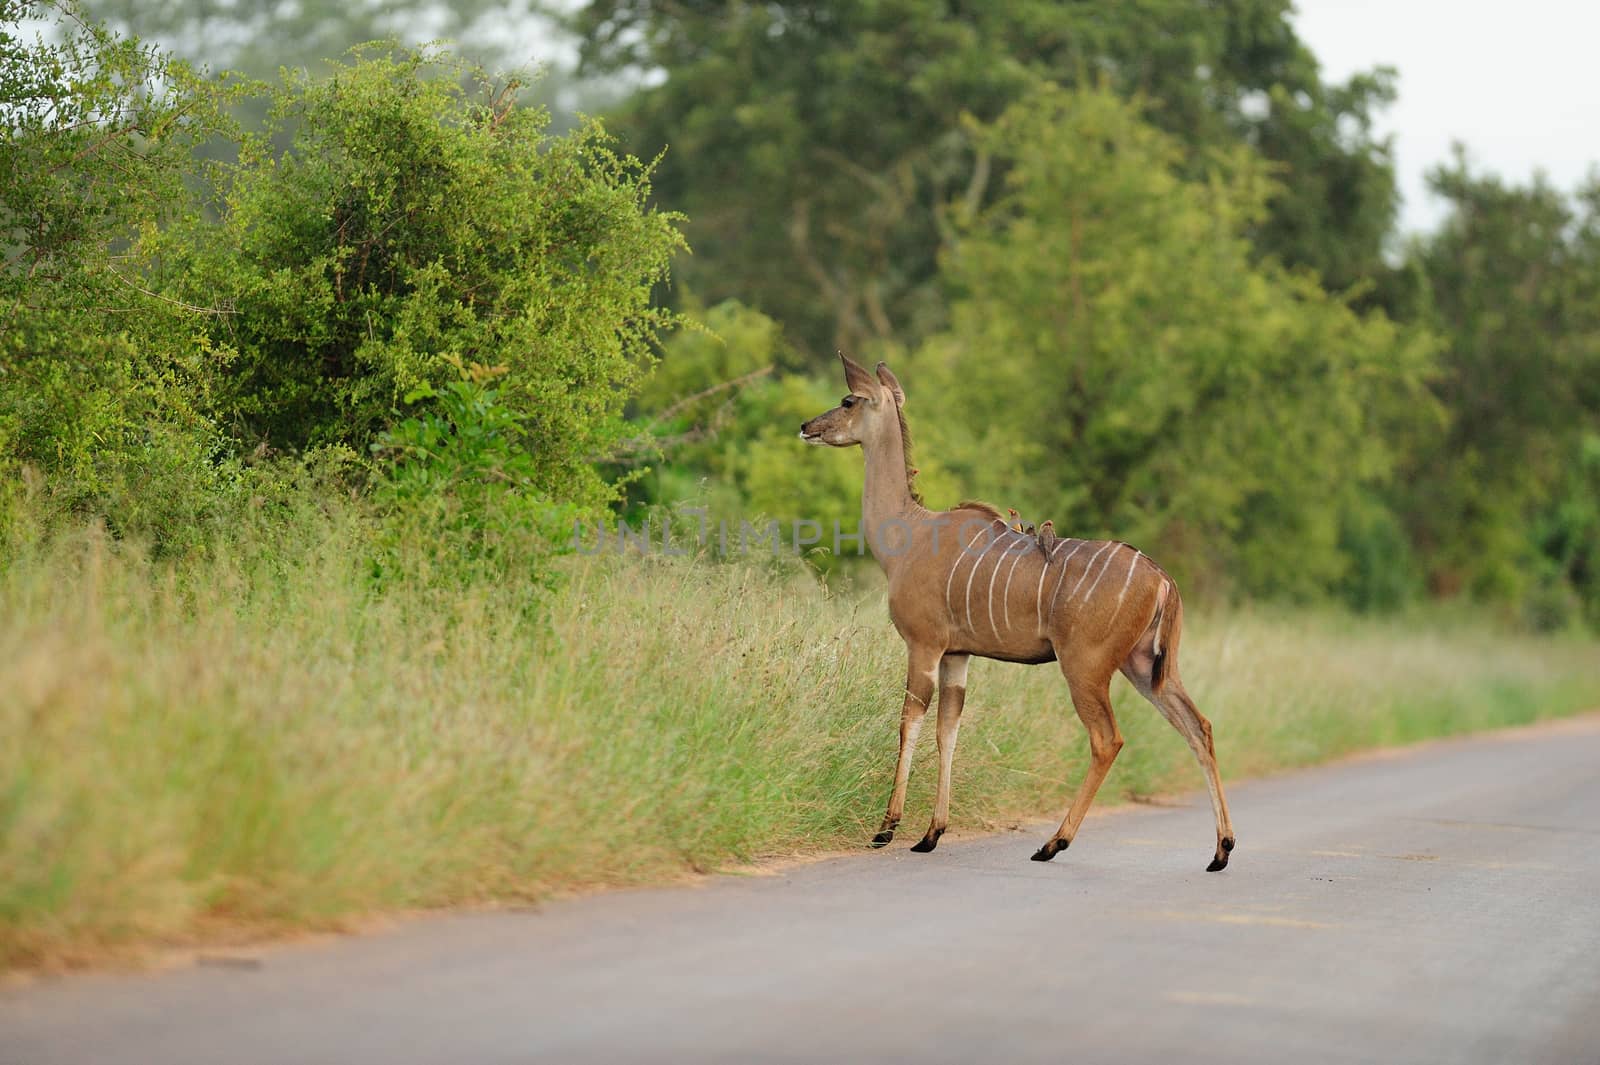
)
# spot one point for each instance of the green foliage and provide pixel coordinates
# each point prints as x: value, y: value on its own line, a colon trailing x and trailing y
x: 815, y: 146
x: 1119, y: 362
x: 414, y: 224
x: 97, y: 130
x: 1568, y: 532
x: 1382, y: 572
x: 705, y: 365
x: 468, y: 444
x: 723, y: 427
x: 460, y: 490
x: 171, y: 325
x: 100, y: 381
x: 1129, y: 343
x: 1502, y: 502
x: 709, y: 394
x: 1334, y: 208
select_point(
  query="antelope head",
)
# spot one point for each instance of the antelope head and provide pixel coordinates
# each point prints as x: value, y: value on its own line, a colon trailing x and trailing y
x: 872, y: 405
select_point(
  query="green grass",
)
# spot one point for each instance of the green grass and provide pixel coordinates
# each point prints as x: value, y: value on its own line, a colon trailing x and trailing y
x: 255, y: 742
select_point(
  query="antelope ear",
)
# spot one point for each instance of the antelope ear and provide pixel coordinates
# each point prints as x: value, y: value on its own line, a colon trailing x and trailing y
x: 887, y: 378
x: 859, y: 380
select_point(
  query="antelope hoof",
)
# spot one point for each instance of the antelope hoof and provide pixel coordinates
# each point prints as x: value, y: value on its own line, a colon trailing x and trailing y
x: 882, y: 838
x: 1050, y: 850
x: 928, y: 842
x: 1220, y: 862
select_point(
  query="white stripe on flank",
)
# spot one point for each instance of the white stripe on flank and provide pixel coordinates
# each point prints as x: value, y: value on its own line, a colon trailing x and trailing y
x: 1005, y: 596
x: 1057, y: 589
x: 1162, y: 591
x: 975, y: 564
x: 1074, y: 593
x: 1090, y: 593
x: 1011, y: 548
x: 1137, y: 554
x: 992, y: 578
x: 1038, y: 593
x: 949, y: 607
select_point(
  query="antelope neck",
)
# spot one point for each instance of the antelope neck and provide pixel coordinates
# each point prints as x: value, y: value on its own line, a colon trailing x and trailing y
x: 887, y: 509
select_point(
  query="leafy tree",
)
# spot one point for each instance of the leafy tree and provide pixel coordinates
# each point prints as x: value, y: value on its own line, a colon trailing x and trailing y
x: 1118, y: 361
x: 99, y: 382
x: 817, y: 147
x: 415, y: 225
x: 1512, y: 279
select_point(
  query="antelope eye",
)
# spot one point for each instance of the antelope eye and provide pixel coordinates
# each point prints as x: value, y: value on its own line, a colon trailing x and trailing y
x: 848, y: 401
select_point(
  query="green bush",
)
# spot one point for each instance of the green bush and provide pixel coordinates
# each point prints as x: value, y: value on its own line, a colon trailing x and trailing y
x: 459, y: 489
x: 178, y: 336
x: 418, y: 220
x: 101, y: 383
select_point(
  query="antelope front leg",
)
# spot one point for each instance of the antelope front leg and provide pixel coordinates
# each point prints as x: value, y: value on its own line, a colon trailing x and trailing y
x: 920, y: 667
x: 952, y: 694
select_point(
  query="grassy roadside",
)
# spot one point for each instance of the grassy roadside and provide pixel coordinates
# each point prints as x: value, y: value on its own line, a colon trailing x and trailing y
x: 256, y: 742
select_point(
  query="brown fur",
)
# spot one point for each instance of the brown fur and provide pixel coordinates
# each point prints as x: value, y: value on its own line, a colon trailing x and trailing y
x: 962, y: 583
x: 905, y: 450
x: 981, y: 507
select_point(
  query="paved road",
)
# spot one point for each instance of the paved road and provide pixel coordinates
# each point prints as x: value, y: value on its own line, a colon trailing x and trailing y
x: 1441, y: 905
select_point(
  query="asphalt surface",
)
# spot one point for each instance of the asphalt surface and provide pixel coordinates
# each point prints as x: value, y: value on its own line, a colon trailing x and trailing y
x: 1439, y: 905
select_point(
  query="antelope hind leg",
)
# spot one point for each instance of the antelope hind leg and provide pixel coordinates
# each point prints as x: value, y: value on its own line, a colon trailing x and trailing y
x: 1180, y: 711
x: 1093, y: 703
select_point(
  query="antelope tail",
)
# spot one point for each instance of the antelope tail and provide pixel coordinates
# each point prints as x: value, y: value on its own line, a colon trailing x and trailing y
x: 1168, y: 622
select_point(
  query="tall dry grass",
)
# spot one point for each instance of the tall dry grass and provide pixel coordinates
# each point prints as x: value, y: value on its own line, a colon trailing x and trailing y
x: 260, y: 740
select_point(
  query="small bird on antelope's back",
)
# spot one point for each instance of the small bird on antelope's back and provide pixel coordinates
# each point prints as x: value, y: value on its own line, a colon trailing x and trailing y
x: 1047, y: 537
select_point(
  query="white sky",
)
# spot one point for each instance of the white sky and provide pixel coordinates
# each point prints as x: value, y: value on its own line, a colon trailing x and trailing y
x: 1518, y: 83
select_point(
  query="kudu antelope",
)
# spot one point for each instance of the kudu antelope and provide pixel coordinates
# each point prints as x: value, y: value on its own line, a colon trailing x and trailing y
x: 964, y: 582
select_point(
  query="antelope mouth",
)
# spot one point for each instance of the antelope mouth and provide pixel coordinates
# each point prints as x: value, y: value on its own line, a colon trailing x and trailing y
x: 811, y: 437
